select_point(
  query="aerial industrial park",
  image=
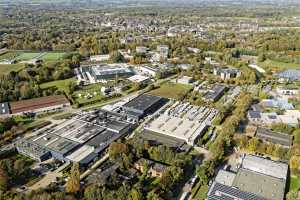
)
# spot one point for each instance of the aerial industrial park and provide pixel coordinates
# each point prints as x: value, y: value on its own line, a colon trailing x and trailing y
x: 150, y: 100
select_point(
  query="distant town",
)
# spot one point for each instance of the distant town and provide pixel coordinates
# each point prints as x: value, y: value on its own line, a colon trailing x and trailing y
x: 150, y: 100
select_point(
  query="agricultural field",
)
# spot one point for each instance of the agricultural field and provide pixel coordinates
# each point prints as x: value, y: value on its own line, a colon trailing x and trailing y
x: 171, y: 90
x: 60, y: 84
x: 6, y: 69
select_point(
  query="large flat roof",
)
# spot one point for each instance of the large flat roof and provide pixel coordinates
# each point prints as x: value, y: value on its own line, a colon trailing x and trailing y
x: 37, y: 103
x: 102, y: 140
x: 54, y: 143
x: 265, y: 166
x: 274, y: 137
x: 183, y: 129
x: 142, y: 102
x: 260, y: 184
x: 81, y: 153
x: 225, y: 177
x: 161, y: 139
x: 219, y: 191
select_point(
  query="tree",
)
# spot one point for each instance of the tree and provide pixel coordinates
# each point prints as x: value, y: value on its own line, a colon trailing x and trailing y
x: 293, y: 195
x: 19, y: 167
x: 116, y: 57
x: 279, y: 151
x: 73, y: 184
x: 93, y: 193
x: 4, y: 179
x: 243, y: 142
x: 270, y: 148
x: 253, y: 144
x: 295, y: 162
x: 135, y: 194
x: 262, y: 57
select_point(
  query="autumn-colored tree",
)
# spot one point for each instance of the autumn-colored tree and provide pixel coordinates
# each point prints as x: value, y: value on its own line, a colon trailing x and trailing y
x: 253, y: 144
x: 3, y: 180
x: 73, y: 184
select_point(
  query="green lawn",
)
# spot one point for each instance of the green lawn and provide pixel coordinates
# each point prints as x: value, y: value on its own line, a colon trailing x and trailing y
x: 9, y: 55
x: 294, y: 183
x: 93, y: 91
x: 60, y: 84
x: 27, y: 56
x: 52, y: 56
x: 171, y: 90
x: 5, y: 69
x: 268, y: 64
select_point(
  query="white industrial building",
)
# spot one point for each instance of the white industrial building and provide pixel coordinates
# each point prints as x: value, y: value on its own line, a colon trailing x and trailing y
x: 185, y: 80
x: 100, y: 58
x: 183, y: 121
x: 139, y: 79
x: 148, y: 71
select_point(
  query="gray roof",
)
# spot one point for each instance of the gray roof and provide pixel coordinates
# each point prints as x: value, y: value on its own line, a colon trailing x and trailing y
x: 54, y: 143
x: 265, y: 166
x: 292, y: 74
x: 225, y: 177
x: 219, y: 191
x: 274, y: 137
x: 254, y: 114
x: 142, y: 102
x: 215, y: 93
x: 103, y: 140
x: 260, y: 184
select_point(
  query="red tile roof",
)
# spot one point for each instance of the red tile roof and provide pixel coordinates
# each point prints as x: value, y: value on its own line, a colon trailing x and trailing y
x: 37, y: 103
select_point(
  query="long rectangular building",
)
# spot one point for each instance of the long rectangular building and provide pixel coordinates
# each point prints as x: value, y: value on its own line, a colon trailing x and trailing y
x: 277, y: 138
x: 38, y: 105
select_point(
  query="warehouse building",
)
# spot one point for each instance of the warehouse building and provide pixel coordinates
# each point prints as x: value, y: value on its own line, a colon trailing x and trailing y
x: 256, y: 177
x: 143, y: 105
x: 80, y: 139
x: 268, y: 135
x: 32, y: 150
x: 263, y: 177
x: 219, y: 191
x: 38, y: 105
x: 183, y: 121
x: 96, y: 73
x: 44, y: 145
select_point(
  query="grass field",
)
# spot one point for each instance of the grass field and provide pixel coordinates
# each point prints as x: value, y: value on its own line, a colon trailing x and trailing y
x: 9, y: 55
x: 268, y: 64
x: 52, y: 56
x: 27, y: 56
x: 171, y: 90
x: 294, y: 183
x: 60, y: 84
x: 92, y: 90
x: 5, y: 69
